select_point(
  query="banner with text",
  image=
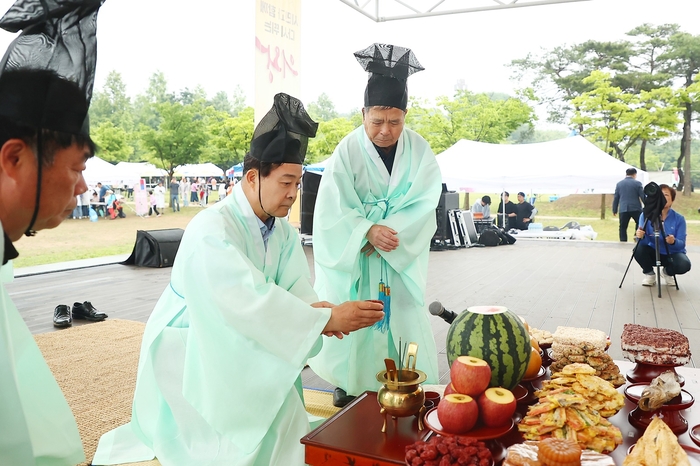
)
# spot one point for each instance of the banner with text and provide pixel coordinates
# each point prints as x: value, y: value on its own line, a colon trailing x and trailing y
x: 277, y: 51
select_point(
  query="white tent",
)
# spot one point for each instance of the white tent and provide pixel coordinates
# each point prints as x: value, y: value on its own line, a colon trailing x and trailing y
x: 142, y: 169
x: 101, y: 171
x: 565, y: 166
x: 200, y: 169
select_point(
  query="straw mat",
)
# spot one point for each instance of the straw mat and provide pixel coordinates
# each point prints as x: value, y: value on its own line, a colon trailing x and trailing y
x: 95, y: 365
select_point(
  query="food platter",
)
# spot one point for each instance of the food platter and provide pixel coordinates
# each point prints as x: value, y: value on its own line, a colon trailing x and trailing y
x: 692, y: 452
x: 671, y: 410
x: 645, y: 372
x: 479, y: 432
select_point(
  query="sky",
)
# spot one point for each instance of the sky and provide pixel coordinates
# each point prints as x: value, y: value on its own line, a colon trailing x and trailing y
x: 211, y: 42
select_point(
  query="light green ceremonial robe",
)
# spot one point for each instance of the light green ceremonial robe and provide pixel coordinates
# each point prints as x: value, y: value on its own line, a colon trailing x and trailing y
x: 37, y: 428
x: 219, y: 372
x: 350, y: 200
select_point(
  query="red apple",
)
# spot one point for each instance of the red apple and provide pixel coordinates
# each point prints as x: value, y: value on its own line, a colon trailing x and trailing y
x: 470, y: 375
x: 457, y: 413
x: 449, y: 389
x: 496, y: 406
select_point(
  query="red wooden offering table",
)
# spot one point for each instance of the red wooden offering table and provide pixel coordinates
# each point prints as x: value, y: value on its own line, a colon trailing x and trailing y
x: 353, y: 436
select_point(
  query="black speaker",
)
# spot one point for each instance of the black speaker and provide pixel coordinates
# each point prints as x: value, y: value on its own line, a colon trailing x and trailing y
x: 310, y: 182
x: 448, y: 201
x: 155, y: 248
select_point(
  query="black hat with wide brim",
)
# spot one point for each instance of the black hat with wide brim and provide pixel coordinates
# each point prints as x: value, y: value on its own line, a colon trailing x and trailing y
x: 283, y: 134
x: 389, y: 67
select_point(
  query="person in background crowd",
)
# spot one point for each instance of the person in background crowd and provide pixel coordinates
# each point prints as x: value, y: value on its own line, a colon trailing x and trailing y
x: 175, y: 195
x: 483, y: 206
x: 510, y: 212
x: 153, y: 204
x: 185, y: 191
x: 628, y: 199
x: 159, y: 192
x: 523, y: 212
x: 194, y: 192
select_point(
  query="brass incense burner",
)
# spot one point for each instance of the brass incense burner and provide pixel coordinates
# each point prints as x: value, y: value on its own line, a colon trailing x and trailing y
x: 401, y: 394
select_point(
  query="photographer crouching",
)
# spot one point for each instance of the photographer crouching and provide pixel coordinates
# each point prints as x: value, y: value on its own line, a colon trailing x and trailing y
x: 672, y: 232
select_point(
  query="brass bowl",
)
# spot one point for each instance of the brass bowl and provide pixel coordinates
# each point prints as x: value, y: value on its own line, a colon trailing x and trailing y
x: 404, y: 398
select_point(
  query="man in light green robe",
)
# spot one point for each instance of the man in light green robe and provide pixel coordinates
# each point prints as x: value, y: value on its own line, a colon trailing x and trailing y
x: 219, y: 372
x: 44, y: 144
x: 376, y: 207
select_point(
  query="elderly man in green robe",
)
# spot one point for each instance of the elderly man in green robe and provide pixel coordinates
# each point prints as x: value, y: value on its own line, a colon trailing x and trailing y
x: 45, y: 89
x: 373, y: 221
x: 219, y: 373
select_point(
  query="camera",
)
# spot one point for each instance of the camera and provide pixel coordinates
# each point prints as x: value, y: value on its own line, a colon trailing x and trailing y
x: 654, y: 201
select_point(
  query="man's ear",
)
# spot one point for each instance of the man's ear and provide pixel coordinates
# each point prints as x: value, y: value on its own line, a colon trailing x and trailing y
x: 251, y: 176
x: 15, y: 155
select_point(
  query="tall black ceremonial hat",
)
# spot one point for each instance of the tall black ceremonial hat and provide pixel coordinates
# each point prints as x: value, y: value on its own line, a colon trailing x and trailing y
x: 389, y: 67
x: 283, y: 134
x: 48, y: 71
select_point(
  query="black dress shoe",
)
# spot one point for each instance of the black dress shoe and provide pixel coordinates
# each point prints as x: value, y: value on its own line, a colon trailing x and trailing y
x: 88, y: 312
x: 61, y: 316
x: 341, y: 398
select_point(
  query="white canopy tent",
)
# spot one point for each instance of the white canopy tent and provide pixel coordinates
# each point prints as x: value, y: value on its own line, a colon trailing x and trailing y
x: 565, y: 166
x: 142, y: 169
x: 101, y: 171
x: 201, y: 169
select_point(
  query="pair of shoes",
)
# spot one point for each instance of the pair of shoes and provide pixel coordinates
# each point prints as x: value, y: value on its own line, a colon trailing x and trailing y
x: 649, y: 280
x: 87, y: 311
x: 668, y: 280
x: 62, y: 316
x: 341, y: 398
x: 158, y: 215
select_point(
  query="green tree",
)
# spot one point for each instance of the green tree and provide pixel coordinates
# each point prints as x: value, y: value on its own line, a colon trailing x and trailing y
x: 618, y: 119
x: 113, y: 142
x: 230, y: 137
x: 322, y: 109
x: 476, y: 117
x: 179, y: 137
x: 329, y: 134
x: 112, y: 104
x: 682, y: 60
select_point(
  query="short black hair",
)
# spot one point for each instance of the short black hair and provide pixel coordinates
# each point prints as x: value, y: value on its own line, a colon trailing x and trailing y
x: 521, y: 194
x: 631, y: 171
x: 505, y: 193
x: 264, y: 168
x: 486, y: 200
x: 52, y: 141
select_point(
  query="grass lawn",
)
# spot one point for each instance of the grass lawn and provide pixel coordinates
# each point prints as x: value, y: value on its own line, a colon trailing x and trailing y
x: 82, y: 239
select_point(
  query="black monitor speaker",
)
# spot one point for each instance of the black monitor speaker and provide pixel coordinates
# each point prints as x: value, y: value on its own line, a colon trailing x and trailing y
x: 155, y: 248
x: 310, y: 182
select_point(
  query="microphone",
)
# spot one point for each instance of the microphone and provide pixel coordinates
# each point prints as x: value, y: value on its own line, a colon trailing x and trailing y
x: 437, y: 309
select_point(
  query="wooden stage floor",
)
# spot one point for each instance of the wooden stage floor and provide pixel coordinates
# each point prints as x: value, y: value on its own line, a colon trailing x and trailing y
x: 550, y: 283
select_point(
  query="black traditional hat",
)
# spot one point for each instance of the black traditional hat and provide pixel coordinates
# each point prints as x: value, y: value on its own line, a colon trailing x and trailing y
x: 47, y: 73
x: 283, y: 133
x: 389, y: 67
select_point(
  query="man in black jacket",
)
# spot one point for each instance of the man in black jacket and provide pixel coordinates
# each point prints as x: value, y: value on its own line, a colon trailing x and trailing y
x: 628, y: 199
x: 523, y: 212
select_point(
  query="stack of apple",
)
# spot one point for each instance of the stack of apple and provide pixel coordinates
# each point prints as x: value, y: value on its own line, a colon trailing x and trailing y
x: 468, y: 399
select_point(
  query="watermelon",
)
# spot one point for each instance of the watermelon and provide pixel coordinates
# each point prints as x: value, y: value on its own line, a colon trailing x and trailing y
x: 496, y: 335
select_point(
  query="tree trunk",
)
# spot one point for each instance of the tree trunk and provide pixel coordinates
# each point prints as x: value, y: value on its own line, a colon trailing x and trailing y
x: 467, y: 204
x: 642, y: 152
x: 687, y: 117
x: 602, y: 206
